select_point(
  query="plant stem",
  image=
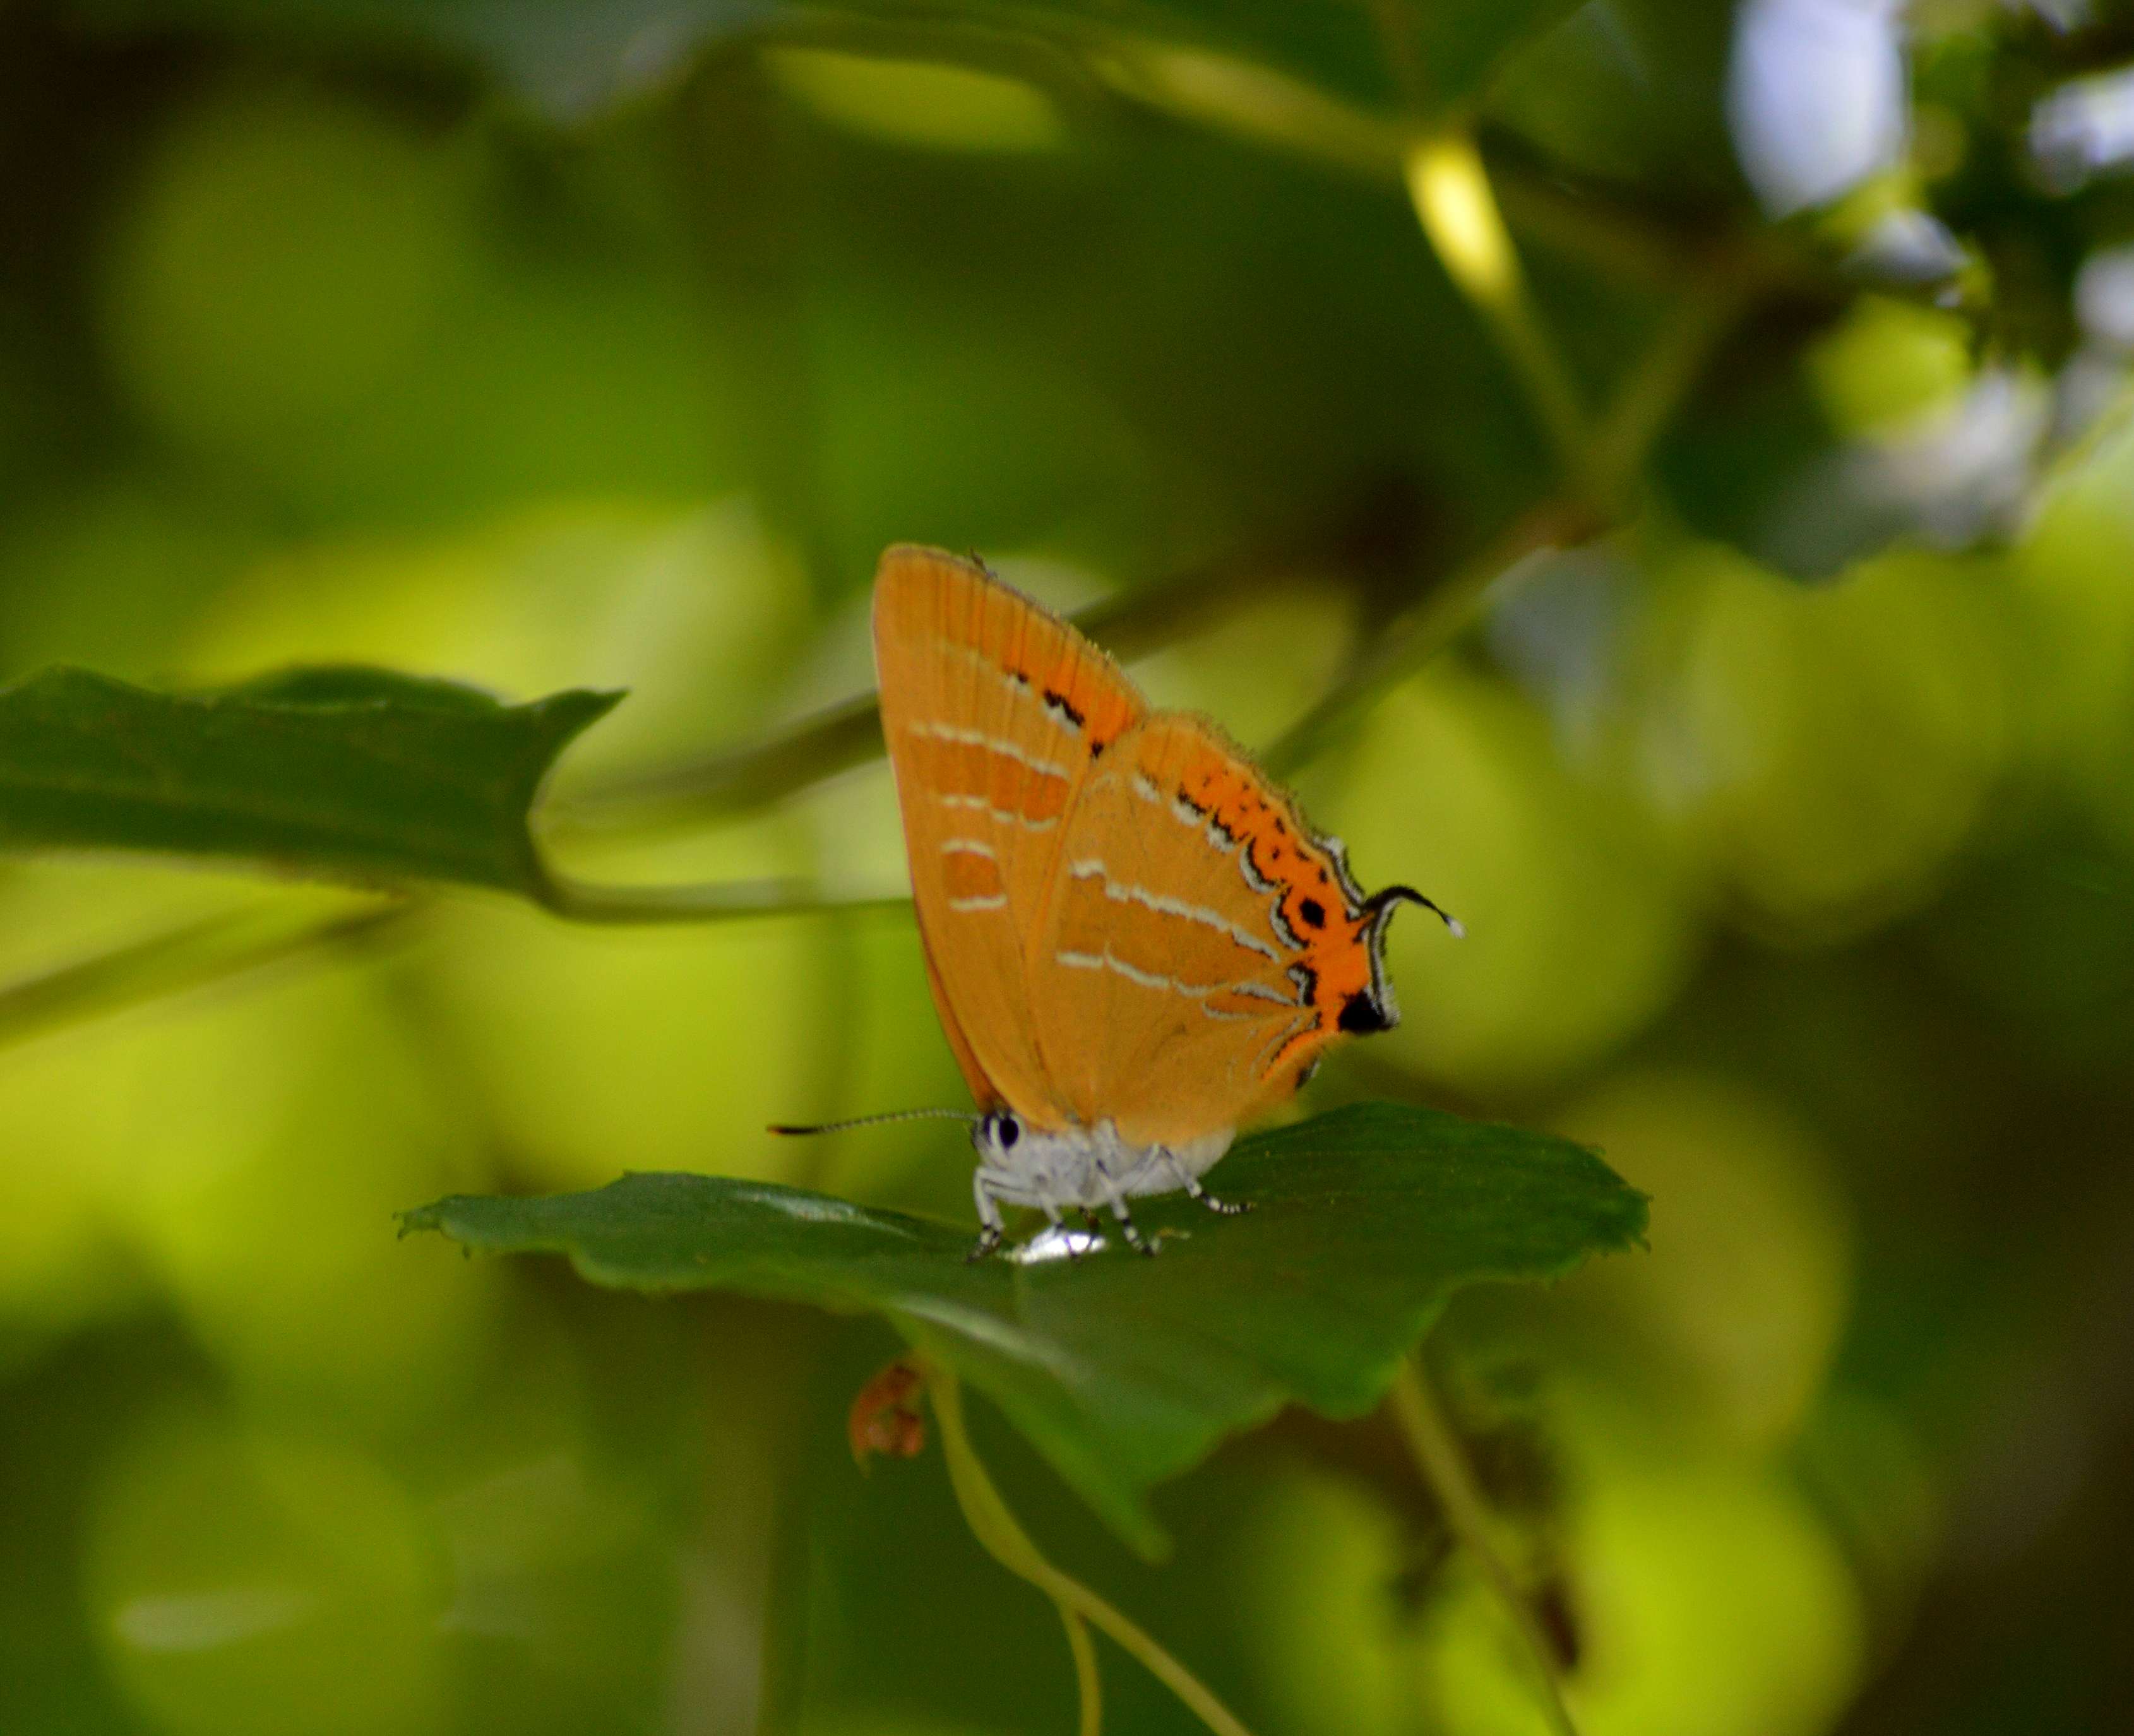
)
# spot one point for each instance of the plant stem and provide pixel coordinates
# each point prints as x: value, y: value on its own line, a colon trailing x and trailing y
x: 1453, y: 200
x: 1617, y: 449
x: 833, y: 740
x: 189, y: 955
x: 711, y: 901
x: 1088, y: 1685
x: 214, y: 949
x: 1357, y: 539
x: 1649, y: 398
x: 1444, y: 1468
x: 1008, y: 1543
x: 1419, y: 636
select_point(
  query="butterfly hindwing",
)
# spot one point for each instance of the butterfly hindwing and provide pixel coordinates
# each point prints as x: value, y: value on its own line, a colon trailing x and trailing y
x: 1204, y: 947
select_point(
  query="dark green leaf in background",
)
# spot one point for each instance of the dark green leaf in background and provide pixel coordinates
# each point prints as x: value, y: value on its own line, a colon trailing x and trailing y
x: 1124, y: 1371
x: 572, y: 58
x: 342, y: 773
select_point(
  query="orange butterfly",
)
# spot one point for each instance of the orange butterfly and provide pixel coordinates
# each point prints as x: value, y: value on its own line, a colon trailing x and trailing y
x: 1134, y: 940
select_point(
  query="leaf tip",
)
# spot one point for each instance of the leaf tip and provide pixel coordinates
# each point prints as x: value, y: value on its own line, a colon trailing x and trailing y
x: 418, y: 1218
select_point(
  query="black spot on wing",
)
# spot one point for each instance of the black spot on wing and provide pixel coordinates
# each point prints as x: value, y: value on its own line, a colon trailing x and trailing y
x: 1361, y: 1016
x: 1313, y: 912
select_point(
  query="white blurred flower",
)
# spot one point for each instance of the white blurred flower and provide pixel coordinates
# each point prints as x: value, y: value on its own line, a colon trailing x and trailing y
x: 2094, y: 384
x: 2104, y: 298
x: 2084, y: 129
x: 2062, y: 14
x: 1967, y: 472
x: 1907, y: 248
x: 1816, y: 97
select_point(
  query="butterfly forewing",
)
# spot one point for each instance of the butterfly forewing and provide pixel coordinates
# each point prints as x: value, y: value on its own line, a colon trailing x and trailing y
x: 1202, y: 945
x: 994, y: 712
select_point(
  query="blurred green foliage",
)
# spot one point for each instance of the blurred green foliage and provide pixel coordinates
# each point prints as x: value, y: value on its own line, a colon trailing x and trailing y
x: 603, y: 344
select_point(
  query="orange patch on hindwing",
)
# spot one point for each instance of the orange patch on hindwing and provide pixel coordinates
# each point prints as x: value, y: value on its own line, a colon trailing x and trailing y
x: 971, y: 877
x: 1312, y: 899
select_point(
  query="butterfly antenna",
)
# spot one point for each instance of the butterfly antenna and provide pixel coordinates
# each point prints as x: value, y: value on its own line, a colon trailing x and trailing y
x: 876, y: 1121
x: 1409, y: 894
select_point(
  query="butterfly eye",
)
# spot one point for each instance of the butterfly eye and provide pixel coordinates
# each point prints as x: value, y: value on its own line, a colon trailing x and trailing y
x: 1007, y: 1130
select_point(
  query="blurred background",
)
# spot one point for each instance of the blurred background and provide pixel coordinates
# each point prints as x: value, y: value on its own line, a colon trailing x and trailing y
x: 1781, y: 776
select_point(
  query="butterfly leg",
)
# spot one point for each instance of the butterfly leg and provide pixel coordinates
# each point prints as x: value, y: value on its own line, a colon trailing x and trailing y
x: 1117, y: 1201
x: 1225, y: 1207
x: 1051, y: 1209
x: 991, y: 1229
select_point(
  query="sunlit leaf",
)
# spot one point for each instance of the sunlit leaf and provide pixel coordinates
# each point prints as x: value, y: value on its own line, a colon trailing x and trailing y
x: 1121, y: 1369
x: 339, y: 773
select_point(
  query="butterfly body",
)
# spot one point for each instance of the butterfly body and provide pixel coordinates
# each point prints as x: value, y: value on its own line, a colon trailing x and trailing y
x: 1078, y: 1167
x: 1135, y: 941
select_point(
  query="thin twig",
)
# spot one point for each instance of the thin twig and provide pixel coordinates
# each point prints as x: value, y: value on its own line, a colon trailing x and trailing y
x: 709, y: 901
x: 1596, y: 223
x: 186, y: 956
x: 1412, y: 641
x: 1247, y: 99
x: 1647, y: 399
x: 1444, y: 1468
x: 208, y: 950
x: 1008, y: 1543
x: 1456, y: 206
x: 847, y: 734
x: 1616, y: 453
x: 1089, y: 1683
x: 820, y: 745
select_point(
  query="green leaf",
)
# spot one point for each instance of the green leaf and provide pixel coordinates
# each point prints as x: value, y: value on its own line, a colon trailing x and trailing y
x: 572, y: 58
x: 340, y: 774
x: 1124, y: 1371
